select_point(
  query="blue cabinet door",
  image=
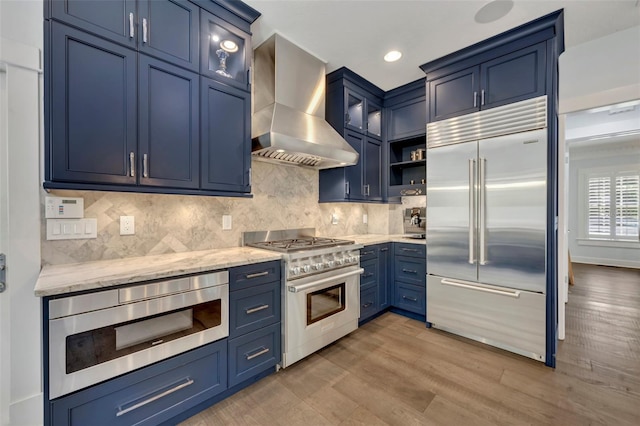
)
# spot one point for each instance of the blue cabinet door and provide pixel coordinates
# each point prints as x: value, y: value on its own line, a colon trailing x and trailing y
x: 384, y: 276
x: 93, y: 109
x: 454, y: 94
x: 353, y: 174
x: 170, y: 30
x: 225, y: 137
x: 225, y: 51
x: 354, y: 117
x: 372, y: 170
x: 112, y: 19
x: 514, y: 77
x: 169, y: 133
x: 408, y: 119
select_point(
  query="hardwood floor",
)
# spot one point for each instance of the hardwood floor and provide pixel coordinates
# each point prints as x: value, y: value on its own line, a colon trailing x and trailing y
x: 395, y: 371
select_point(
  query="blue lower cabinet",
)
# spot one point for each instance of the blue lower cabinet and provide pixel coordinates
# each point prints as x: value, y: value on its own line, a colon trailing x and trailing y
x: 368, y: 302
x: 253, y: 308
x: 151, y: 395
x: 254, y: 353
x: 411, y: 270
x: 410, y: 297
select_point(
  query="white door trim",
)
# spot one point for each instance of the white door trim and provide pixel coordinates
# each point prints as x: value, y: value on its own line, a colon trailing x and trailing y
x: 20, y: 183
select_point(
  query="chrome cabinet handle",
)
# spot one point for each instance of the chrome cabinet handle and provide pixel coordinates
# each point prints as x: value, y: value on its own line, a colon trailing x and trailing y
x: 145, y: 166
x: 257, y: 354
x: 482, y: 224
x: 250, y: 176
x: 472, y: 211
x: 475, y: 99
x: 482, y: 97
x: 367, y: 252
x: 411, y: 250
x: 384, y: 249
x: 256, y: 309
x: 409, y: 271
x: 366, y: 305
x: 367, y: 190
x: 413, y: 299
x: 367, y: 275
x: 189, y: 382
x: 131, y: 27
x: 144, y: 30
x: 347, y: 118
x: 132, y: 164
x: 257, y: 274
x: 346, y: 188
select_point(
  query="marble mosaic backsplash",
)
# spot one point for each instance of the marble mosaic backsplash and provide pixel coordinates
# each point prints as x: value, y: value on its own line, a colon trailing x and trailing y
x: 284, y: 197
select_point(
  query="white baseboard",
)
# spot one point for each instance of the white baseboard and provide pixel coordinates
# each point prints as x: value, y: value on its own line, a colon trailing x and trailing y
x: 607, y: 262
x: 28, y: 412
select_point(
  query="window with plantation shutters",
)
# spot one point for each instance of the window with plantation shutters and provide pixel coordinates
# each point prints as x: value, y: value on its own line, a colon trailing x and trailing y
x: 613, y: 209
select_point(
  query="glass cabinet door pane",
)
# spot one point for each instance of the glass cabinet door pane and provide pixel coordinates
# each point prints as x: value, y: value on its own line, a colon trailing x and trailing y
x: 224, y: 52
x: 355, y: 113
x: 374, y: 119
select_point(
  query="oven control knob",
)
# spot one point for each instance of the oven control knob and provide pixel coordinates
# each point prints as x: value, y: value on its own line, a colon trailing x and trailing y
x: 295, y: 271
x: 318, y: 266
x: 331, y: 264
x: 306, y: 268
x: 353, y: 259
x: 340, y: 261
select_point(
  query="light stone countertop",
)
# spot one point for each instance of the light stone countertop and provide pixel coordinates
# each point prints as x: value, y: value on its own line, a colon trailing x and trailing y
x: 68, y: 278
x: 368, y: 239
x: 73, y: 277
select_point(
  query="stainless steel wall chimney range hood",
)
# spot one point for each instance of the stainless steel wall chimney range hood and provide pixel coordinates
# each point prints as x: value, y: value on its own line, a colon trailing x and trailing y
x: 288, y: 102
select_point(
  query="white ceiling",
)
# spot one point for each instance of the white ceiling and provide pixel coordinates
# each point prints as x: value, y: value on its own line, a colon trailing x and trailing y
x: 357, y: 33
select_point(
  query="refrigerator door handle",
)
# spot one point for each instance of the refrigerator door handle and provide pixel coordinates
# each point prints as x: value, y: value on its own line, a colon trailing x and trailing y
x: 472, y: 211
x: 471, y: 286
x: 482, y: 207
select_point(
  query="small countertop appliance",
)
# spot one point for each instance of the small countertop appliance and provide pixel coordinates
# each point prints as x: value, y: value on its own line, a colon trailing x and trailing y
x: 415, y: 222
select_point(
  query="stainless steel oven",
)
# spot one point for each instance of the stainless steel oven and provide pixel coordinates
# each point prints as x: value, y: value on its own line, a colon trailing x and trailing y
x: 319, y: 310
x: 97, y: 336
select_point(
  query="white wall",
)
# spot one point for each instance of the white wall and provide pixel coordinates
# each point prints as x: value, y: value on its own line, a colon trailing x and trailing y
x: 20, y: 59
x: 601, y: 72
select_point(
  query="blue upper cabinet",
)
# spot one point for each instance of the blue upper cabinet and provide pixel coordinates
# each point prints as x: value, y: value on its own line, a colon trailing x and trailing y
x: 115, y: 20
x: 93, y: 121
x: 170, y: 30
x: 508, y: 78
x: 354, y: 109
x: 167, y: 29
x: 406, y: 111
x: 225, y: 137
x: 513, y: 77
x: 225, y: 53
x: 169, y: 117
x: 124, y: 102
x: 454, y: 94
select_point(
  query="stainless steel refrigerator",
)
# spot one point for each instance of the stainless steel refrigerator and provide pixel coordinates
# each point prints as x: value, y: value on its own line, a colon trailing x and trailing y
x: 486, y: 226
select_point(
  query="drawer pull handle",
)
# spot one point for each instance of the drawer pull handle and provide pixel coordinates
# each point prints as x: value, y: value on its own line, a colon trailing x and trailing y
x: 413, y: 299
x: 256, y: 309
x: 258, y: 274
x: 367, y: 252
x: 366, y: 305
x: 367, y: 275
x: 411, y: 250
x: 257, y: 354
x: 409, y: 271
x: 384, y: 249
x: 189, y: 382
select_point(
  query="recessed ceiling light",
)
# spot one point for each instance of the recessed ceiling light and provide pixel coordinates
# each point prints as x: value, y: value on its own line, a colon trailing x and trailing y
x: 493, y: 11
x: 392, y: 56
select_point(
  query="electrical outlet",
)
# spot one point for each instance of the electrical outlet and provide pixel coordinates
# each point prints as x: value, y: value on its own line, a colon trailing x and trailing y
x: 226, y: 222
x: 127, y: 225
x: 334, y: 219
x: 365, y: 218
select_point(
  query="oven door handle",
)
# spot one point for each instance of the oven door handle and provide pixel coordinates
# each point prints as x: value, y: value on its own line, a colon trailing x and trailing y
x: 320, y: 283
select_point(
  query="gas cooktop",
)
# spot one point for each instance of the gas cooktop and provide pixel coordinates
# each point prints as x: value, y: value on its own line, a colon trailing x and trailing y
x: 289, y: 245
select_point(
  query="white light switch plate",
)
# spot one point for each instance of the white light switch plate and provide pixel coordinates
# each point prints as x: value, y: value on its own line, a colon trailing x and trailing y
x: 127, y: 225
x: 72, y: 229
x: 365, y: 218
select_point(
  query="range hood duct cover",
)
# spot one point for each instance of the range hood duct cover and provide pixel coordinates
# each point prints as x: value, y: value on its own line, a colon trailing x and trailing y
x: 288, y: 123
